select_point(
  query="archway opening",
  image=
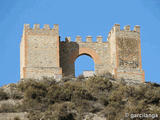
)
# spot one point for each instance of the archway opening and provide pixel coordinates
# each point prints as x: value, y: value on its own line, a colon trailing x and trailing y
x: 83, y: 63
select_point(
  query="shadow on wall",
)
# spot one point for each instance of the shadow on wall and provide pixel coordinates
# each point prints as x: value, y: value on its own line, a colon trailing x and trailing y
x: 68, y: 50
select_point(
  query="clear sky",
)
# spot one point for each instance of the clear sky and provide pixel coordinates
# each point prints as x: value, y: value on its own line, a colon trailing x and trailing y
x: 79, y: 17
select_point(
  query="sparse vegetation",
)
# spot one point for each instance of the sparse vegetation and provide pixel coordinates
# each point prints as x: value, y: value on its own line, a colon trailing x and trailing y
x: 3, y: 95
x: 7, y: 107
x: 72, y: 100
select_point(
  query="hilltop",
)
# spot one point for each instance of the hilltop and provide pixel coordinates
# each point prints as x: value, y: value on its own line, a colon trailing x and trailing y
x: 93, y: 98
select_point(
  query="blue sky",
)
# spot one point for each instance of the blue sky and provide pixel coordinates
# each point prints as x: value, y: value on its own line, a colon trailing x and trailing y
x: 78, y: 17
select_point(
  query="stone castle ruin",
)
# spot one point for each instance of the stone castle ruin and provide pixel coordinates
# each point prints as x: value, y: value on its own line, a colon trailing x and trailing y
x: 43, y: 54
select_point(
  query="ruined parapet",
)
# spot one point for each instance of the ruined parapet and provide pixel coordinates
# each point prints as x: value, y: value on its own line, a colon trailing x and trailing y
x: 78, y: 39
x: 37, y: 30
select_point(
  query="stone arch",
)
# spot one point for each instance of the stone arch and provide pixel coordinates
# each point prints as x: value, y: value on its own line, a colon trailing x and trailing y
x: 85, y: 51
x: 84, y: 63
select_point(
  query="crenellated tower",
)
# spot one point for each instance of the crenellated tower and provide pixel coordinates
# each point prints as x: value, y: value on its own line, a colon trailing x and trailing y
x: 39, y: 51
x: 125, y: 53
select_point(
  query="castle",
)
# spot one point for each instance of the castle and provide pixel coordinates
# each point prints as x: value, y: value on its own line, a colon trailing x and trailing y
x: 43, y: 54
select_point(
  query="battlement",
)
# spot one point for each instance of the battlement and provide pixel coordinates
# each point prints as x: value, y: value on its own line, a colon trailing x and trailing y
x: 126, y: 29
x: 36, y: 28
x: 99, y: 39
x: 116, y: 28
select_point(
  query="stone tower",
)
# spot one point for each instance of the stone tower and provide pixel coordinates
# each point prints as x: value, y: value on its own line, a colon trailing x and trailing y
x: 125, y: 53
x: 39, y: 51
x: 44, y: 55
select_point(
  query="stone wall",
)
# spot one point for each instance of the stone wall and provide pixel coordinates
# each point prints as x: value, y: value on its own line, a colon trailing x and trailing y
x: 70, y: 50
x: 43, y: 54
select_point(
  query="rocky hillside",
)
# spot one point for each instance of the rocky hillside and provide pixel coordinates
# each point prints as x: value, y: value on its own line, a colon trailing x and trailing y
x: 94, y: 98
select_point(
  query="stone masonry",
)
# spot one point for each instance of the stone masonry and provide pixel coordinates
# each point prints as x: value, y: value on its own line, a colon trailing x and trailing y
x: 44, y: 55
